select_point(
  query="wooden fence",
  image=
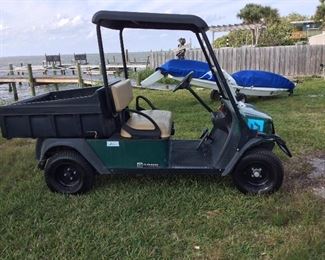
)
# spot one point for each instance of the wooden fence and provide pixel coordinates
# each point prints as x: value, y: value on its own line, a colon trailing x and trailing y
x: 300, y: 60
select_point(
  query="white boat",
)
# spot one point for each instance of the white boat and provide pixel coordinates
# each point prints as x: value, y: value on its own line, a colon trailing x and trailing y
x: 269, y: 84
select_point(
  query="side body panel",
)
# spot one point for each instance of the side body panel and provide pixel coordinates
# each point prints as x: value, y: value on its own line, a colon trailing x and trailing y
x: 131, y: 154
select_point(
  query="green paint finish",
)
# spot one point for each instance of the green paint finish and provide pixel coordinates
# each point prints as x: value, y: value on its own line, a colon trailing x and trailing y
x: 130, y: 154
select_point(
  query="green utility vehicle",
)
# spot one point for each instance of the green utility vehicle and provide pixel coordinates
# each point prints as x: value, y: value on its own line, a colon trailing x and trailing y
x: 84, y: 132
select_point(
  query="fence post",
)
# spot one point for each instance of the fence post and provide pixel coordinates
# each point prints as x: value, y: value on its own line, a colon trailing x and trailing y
x: 31, y: 79
x: 80, y: 80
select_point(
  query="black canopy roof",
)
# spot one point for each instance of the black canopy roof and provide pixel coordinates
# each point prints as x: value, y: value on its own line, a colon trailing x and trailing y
x: 121, y: 20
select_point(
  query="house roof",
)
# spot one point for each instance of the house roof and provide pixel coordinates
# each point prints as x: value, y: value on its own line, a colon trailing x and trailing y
x: 303, y: 22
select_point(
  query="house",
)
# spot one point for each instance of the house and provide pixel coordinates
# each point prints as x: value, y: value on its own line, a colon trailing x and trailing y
x: 304, y: 29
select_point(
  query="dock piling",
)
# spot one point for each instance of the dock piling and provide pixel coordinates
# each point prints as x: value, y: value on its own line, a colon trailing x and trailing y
x: 12, y: 85
x: 127, y: 55
x: 138, y: 79
x: 80, y: 80
x: 11, y: 72
x: 10, y: 88
x: 31, y: 79
x: 53, y: 67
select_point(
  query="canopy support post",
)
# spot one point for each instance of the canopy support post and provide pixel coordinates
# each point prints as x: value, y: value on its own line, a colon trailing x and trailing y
x: 123, y: 55
x: 203, y: 48
x: 102, y: 55
x: 221, y: 77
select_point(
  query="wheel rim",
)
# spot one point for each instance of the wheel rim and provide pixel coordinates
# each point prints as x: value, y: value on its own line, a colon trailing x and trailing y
x: 257, y: 174
x: 68, y: 175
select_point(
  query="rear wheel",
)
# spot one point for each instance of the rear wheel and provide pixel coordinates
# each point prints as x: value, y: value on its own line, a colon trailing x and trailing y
x: 258, y: 172
x: 68, y: 172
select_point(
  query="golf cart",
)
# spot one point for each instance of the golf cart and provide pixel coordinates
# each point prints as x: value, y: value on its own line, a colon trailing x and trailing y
x: 83, y: 132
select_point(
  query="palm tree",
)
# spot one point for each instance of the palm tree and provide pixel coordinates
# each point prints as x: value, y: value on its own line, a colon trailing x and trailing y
x: 255, y: 13
x: 251, y: 13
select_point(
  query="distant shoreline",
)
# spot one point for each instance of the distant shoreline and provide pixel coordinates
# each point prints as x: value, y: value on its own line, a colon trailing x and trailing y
x: 71, y: 54
x: 93, y: 58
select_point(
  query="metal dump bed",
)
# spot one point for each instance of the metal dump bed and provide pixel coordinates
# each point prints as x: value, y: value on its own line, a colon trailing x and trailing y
x: 73, y: 113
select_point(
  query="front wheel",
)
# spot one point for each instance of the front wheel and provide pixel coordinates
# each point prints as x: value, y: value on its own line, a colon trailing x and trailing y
x: 258, y: 172
x: 68, y: 172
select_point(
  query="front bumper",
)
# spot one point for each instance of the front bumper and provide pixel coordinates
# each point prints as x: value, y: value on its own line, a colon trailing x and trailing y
x: 279, y: 141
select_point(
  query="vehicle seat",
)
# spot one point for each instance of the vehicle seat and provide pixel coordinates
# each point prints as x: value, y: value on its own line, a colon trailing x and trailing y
x: 137, y: 125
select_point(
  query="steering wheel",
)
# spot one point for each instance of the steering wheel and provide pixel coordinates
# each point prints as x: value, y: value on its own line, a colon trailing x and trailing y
x: 185, y: 83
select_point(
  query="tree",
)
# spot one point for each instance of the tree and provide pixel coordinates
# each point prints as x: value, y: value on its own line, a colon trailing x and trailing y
x: 274, y: 35
x: 277, y: 34
x: 255, y: 13
x: 251, y: 13
x: 320, y: 12
x: 296, y: 17
x: 235, y: 39
x: 270, y: 15
x: 278, y: 29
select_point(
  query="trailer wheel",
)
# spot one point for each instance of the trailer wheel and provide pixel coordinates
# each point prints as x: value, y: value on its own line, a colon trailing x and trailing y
x: 241, y: 97
x: 215, y: 95
x: 68, y: 172
x: 258, y: 172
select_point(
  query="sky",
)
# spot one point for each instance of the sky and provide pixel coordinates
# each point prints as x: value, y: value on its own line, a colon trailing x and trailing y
x: 35, y: 27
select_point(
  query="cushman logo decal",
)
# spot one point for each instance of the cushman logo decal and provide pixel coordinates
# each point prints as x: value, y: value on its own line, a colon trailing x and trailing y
x: 147, y: 165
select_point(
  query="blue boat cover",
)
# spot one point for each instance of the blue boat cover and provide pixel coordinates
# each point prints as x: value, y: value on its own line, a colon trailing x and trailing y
x: 180, y: 68
x: 244, y: 78
x: 263, y: 79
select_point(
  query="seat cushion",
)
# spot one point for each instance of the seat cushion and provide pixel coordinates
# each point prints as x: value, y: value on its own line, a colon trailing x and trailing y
x: 161, y: 117
x: 122, y: 94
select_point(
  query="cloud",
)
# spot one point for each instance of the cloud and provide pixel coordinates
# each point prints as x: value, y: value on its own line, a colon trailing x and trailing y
x: 35, y: 27
x: 62, y: 22
x: 68, y: 21
x: 3, y: 27
x: 91, y: 34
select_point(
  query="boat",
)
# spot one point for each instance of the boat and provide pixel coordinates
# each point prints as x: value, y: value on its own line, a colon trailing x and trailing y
x: 245, y: 82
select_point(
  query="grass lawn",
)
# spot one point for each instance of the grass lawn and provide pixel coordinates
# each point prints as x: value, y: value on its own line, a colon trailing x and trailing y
x: 142, y: 217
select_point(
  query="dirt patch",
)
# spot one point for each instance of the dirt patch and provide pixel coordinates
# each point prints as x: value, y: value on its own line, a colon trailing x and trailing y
x: 318, y: 165
x: 306, y: 172
x: 318, y: 173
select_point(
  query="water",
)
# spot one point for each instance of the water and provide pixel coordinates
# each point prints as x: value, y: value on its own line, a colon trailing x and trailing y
x: 24, y: 90
x: 92, y: 58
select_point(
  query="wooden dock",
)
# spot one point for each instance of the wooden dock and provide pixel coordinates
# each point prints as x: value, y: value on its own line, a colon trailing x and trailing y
x: 45, y: 80
x: 39, y: 75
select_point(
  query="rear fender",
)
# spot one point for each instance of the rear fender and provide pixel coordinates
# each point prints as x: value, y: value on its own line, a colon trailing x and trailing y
x: 45, y: 147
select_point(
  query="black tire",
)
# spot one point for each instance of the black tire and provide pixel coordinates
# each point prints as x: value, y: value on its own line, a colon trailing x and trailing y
x: 215, y: 95
x: 241, y: 97
x: 69, y: 173
x: 258, y: 172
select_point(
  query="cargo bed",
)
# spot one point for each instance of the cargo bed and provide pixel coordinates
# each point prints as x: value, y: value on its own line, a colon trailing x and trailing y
x: 69, y: 113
